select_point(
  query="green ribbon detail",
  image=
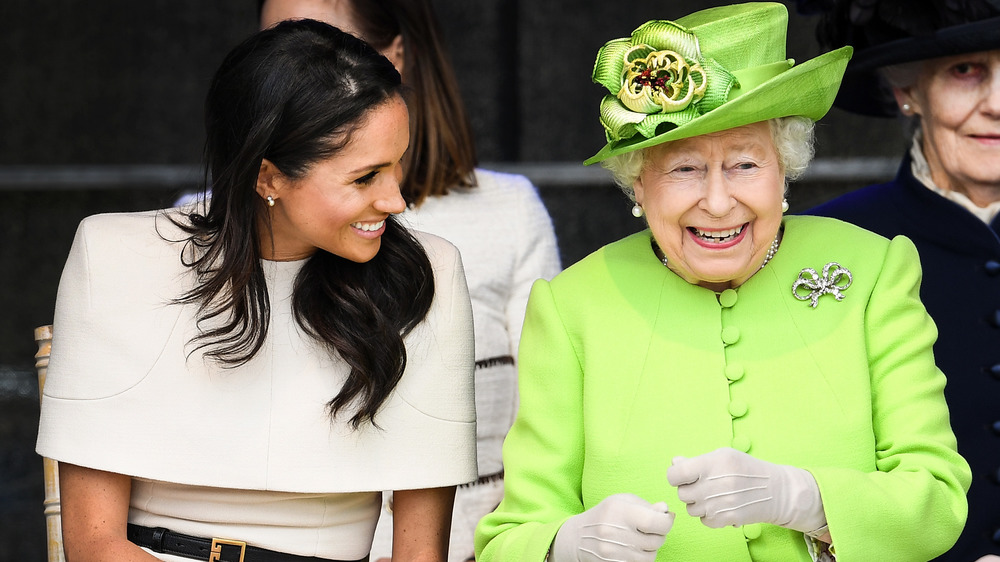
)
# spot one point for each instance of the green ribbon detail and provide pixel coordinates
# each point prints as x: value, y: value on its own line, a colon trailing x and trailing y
x: 658, y: 79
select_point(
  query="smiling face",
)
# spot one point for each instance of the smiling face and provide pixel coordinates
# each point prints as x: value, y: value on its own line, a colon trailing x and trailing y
x: 713, y: 203
x: 340, y: 205
x: 958, y: 102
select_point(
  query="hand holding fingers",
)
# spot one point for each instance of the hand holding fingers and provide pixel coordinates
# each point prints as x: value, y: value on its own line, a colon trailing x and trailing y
x: 623, y: 527
x: 721, y: 488
x: 729, y: 487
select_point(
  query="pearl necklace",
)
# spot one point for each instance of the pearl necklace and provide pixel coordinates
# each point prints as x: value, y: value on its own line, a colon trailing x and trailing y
x: 770, y: 252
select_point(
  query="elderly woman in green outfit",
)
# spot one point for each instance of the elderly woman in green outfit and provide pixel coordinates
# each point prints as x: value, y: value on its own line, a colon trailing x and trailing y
x: 730, y: 384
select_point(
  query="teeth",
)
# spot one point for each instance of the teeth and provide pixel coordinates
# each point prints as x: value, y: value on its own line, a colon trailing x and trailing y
x: 718, y: 236
x: 368, y: 226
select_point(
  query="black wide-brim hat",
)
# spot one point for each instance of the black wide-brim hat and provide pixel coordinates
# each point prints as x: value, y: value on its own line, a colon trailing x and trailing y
x: 890, y: 32
x: 863, y: 91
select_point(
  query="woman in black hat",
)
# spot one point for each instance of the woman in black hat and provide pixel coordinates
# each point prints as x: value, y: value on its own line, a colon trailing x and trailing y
x: 937, y: 63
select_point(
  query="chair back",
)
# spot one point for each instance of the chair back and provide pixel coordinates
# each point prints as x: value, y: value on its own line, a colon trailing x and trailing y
x: 52, y: 508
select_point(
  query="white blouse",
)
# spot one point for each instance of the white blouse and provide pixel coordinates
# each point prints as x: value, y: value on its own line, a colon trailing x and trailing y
x: 507, y: 242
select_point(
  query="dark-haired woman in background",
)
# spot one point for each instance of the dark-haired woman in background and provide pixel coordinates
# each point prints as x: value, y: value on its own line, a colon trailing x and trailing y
x: 937, y: 64
x: 496, y: 220
x: 246, y: 379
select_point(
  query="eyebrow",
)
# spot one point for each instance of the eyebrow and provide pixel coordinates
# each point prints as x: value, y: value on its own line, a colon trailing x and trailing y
x: 369, y: 168
x: 747, y: 146
x: 752, y: 147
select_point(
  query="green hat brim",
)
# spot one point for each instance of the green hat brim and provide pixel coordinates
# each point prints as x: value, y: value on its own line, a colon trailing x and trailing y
x: 807, y: 89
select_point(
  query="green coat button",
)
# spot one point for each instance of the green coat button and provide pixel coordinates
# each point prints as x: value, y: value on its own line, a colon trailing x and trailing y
x: 737, y: 408
x: 730, y: 335
x: 728, y: 298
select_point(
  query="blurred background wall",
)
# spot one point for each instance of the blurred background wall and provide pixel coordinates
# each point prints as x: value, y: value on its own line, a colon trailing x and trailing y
x: 101, y: 107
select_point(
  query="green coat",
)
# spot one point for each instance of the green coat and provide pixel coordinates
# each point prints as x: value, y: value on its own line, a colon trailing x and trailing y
x: 623, y: 365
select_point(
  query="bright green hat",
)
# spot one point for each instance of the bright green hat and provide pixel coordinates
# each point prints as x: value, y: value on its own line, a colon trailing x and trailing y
x: 713, y: 70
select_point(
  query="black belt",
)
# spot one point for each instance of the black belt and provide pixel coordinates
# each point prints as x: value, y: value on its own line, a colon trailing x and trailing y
x: 163, y: 540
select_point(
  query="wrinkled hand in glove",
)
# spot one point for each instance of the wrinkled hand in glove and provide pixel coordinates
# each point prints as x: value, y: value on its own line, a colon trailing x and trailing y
x: 728, y: 487
x: 622, y: 528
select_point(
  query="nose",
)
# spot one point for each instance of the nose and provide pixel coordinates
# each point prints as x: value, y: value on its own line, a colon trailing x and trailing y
x: 390, y: 199
x: 717, y: 199
x: 992, y: 102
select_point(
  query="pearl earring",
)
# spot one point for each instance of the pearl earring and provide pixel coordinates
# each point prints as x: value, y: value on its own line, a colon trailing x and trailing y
x: 784, y: 205
x: 637, y: 210
x: 906, y: 108
x: 270, y: 201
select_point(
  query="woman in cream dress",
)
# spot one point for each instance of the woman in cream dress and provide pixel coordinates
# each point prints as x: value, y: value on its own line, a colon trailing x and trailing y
x: 239, y: 380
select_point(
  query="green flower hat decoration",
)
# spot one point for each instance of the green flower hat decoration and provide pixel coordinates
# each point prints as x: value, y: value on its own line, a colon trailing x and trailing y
x: 713, y: 70
x: 658, y: 75
x: 660, y: 81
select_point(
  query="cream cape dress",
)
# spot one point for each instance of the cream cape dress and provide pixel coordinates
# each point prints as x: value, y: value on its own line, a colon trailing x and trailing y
x: 247, y: 453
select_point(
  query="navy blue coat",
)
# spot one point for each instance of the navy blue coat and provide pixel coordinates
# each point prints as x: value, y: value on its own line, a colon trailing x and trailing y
x: 960, y: 256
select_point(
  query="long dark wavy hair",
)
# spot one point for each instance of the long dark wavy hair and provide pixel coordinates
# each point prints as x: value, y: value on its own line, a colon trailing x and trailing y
x: 293, y: 94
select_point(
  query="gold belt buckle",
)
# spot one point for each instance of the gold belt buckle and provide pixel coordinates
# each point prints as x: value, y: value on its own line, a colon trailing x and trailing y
x: 217, y: 544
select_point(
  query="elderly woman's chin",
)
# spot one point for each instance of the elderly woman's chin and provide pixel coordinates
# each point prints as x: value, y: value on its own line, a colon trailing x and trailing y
x: 720, y: 259
x: 714, y: 258
x: 719, y: 269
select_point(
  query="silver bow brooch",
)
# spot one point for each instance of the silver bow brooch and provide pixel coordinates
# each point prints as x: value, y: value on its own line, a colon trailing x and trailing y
x: 834, y: 281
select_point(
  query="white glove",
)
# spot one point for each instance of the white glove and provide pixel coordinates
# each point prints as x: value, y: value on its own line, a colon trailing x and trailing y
x: 622, y: 528
x: 728, y: 487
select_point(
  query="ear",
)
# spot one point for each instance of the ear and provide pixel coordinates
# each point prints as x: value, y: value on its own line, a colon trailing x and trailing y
x: 905, y: 97
x: 638, y: 189
x: 396, y: 53
x: 270, y: 180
